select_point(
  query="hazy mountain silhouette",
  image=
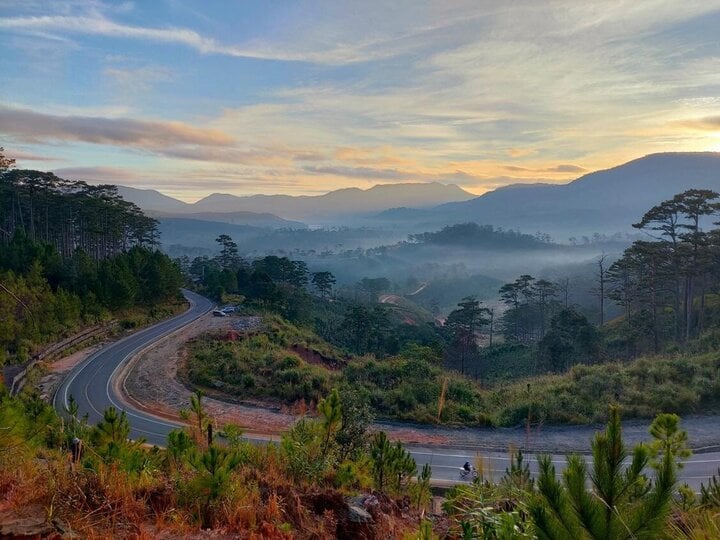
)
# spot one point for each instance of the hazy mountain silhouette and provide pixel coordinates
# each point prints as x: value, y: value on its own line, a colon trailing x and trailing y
x: 161, y: 206
x: 338, y: 203
x: 604, y: 201
x: 254, y: 219
x: 151, y: 199
x: 335, y: 204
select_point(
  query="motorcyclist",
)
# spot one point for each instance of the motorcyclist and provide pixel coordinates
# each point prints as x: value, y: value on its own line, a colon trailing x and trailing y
x: 468, y: 467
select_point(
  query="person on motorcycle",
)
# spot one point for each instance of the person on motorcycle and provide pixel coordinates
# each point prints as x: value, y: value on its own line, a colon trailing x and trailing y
x: 468, y: 467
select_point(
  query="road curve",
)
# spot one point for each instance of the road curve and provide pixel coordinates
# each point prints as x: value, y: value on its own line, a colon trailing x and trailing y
x: 91, y: 385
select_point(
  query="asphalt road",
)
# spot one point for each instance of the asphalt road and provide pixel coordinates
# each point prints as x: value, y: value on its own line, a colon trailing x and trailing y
x: 90, y: 384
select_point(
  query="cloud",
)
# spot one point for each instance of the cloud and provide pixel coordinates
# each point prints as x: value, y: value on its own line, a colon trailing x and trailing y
x: 99, y: 175
x: 521, y: 152
x: 562, y: 168
x: 707, y: 123
x: 566, y: 168
x: 96, y: 24
x: 21, y: 156
x: 99, y: 25
x: 137, y: 80
x: 369, y: 173
x: 31, y: 126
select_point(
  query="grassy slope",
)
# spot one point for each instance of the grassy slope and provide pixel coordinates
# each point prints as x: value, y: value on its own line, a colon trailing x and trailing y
x: 409, y: 386
x: 644, y: 387
x: 261, y: 365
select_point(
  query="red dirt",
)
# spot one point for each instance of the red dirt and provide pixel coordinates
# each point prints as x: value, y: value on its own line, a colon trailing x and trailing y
x: 312, y: 356
x: 153, y: 386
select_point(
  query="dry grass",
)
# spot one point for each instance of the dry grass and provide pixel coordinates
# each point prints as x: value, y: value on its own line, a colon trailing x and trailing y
x: 107, y: 502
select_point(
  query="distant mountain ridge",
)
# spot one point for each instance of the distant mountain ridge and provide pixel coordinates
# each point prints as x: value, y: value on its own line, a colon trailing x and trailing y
x: 605, y: 201
x: 338, y: 203
x: 335, y: 204
x: 153, y: 200
x: 253, y: 219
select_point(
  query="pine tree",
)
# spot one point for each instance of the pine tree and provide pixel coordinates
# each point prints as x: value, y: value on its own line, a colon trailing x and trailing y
x: 622, y: 502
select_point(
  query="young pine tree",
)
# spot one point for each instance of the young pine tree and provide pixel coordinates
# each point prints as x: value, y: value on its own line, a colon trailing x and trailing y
x: 622, y: 503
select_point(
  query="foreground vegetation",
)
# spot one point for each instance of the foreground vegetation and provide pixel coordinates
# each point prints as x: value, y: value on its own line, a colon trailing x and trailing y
x: 328, y: 478
x: 119, y: 488
x: 620, y: 494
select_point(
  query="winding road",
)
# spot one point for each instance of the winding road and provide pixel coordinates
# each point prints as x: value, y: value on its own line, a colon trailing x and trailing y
x: 92, y: 385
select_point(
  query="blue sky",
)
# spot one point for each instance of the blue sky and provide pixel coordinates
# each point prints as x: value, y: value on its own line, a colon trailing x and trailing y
x: 305, y: 97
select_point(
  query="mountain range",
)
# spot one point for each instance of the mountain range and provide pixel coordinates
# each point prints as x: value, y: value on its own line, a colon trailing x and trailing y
x: 606, y: 201
x: 316, y: 209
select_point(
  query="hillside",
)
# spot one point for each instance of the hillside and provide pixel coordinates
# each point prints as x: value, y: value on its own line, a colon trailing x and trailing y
x: 605, y: 201
x: 253, y: 219
x: 196, y: 232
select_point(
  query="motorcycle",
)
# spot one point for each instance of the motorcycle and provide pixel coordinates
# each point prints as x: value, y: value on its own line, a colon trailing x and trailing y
x: 471, y: 474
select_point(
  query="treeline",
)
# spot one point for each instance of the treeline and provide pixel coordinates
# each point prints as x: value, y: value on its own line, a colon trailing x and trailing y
x: 274, y: 283
x: 472, y: 235
x: 357, y: 324
x: 668, y: 288
x: 70, y: 255
x: 43, y: 296
x: 71, y: 215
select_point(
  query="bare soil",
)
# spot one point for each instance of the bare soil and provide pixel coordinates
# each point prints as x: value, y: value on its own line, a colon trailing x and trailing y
x: 312, y: 356
x: 54, y: 372
x: 152, y: 384
x: 152, y: 381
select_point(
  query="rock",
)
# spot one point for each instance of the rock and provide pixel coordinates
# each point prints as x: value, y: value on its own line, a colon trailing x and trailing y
x: 357, y: 514
x: 29, y: 524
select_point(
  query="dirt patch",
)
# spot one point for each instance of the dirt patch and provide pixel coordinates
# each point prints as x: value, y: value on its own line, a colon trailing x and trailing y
x: 312, y: 356
x: 65, y: 364
x: 54, y: 372
x: 29, y: 522
x: 153, y: 385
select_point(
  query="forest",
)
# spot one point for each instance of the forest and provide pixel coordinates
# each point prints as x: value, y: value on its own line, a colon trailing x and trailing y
x: 73, y: 255
x: 406, y: 363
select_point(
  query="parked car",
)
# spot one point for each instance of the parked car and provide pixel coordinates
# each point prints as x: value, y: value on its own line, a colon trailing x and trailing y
x: 229, y: 309
x: 219, y: 313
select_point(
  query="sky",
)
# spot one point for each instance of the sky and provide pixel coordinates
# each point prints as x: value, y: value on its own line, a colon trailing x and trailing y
x: 302, y: 97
